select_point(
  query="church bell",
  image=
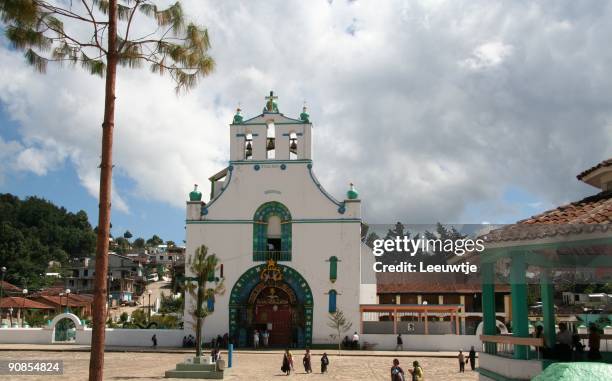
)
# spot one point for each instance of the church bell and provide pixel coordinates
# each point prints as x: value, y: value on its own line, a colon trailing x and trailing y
x: 249, y: 149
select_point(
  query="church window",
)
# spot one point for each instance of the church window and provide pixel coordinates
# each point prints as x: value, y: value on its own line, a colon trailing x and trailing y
x: 332, y: 301
x: 293, y: 146
x: 270, y: 142
x: 248, y: 147
x: 272, y: 232
x: 333, y: 268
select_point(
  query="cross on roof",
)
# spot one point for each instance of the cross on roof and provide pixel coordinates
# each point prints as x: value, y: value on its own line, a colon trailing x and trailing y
x: 271, y: 97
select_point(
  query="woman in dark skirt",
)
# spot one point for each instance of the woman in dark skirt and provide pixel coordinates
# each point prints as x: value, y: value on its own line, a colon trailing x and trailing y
x: 306, y: 361
x: 286, y: 368
x: 324, y: 363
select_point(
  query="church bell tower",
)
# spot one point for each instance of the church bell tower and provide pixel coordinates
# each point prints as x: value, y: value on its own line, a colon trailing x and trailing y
x: 271, y: 135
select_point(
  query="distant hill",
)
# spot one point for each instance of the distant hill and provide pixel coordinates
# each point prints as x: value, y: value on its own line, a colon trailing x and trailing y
x: 34, y: 232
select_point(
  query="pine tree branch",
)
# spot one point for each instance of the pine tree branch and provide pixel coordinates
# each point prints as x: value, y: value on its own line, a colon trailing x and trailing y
x: 95, y: 24
x: 129, y: 24
x: 63, y: 12
x: 64, y: 35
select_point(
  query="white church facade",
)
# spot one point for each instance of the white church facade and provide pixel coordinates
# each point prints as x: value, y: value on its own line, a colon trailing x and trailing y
x: 290, y: 252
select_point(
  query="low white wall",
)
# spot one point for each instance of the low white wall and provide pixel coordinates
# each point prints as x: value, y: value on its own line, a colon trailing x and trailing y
x: 510, y: 368
x: 123, y: 337
x: 424, y: 342
x: 114, y: 337
x: 25, y: 336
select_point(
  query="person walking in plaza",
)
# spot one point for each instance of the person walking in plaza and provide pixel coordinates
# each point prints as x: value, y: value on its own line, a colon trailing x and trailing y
x: 306, y: 362
x: 472, y: 358
x: 563, y: 348
x: 154, y: 340
x: 417, y: 372
x: 286, y: 367
x: 355, y: 341
x: 397, y: 373
x: 461, y: 358
x: 594, y: 341
x: 400, y: 343
x: 256, y: 339
x: 324, y: 363
x: 266, y: 338
x: 290, y: 357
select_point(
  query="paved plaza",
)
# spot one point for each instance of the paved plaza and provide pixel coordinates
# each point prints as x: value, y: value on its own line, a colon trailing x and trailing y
x: 247, y: 366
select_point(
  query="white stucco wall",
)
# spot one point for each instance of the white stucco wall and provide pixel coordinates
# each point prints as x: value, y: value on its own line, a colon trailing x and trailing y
x: 25, y: 336
x: 319, y: 231
x: 425, y: 342
x: 509, y: 367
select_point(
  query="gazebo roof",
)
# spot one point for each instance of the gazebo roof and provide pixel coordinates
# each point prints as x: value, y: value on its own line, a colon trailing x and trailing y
x: 429, y: 283
x: 603, y: 164
x: 590, y: 215
x: 19, y: 302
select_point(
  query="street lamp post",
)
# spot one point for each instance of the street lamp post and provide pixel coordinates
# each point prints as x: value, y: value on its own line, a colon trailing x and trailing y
x: 23, y: 313
x: 67, y: 300
x: 2, y: 271
x: 149, y: 292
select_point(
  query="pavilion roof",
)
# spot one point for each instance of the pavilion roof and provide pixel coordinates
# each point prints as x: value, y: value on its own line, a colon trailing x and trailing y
x: 9, y: 287
x: 71, y: 301
x: 605, y: 163
x: 590, y: 215
x: 429, y: 283
x: 19, y: 302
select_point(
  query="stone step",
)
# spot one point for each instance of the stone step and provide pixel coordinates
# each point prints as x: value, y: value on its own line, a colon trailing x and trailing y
x: 205, y: 367
x: 194, y: 374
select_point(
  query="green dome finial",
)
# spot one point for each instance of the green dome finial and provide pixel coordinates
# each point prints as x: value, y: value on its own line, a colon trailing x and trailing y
x: 304, y: 117
x: 352, y: 193
x: 195, y: 194
x: 238, y: 117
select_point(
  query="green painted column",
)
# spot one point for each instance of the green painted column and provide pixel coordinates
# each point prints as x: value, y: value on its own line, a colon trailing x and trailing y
x: 518, y: 288
x: 548, y: 308
x: 488, y: 304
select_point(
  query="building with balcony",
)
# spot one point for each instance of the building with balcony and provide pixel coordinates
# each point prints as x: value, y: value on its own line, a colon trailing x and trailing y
x: 123, y: 273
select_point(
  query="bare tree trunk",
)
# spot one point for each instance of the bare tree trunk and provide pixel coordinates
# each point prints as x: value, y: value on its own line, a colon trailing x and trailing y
x: 96, y: 361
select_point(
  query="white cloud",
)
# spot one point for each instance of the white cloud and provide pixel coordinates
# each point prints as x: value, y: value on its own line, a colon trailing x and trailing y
x: 422, y: 137
x: 486, y: 55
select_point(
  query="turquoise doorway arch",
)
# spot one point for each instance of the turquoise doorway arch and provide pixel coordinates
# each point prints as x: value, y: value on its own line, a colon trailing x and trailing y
x: 245, y: 293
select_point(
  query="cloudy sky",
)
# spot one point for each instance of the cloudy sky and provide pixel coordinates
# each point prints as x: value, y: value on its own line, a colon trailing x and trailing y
x: 451, y: 111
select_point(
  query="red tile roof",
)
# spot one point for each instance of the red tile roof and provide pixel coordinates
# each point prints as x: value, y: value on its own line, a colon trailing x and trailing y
x: 605, y: 163
x: 71, y: 301
x: 430, y: 283
x: 8, y: 287
x: 19, y: 302
x: 591, y: 214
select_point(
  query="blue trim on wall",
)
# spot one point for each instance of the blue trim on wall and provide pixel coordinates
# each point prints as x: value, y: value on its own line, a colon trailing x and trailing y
x: 271, y: 161
x: 340, y: 205
x: 296, y: 221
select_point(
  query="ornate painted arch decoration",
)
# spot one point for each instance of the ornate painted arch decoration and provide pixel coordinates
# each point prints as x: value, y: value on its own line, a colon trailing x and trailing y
x: 260, y: 231
x: 248, y: 285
